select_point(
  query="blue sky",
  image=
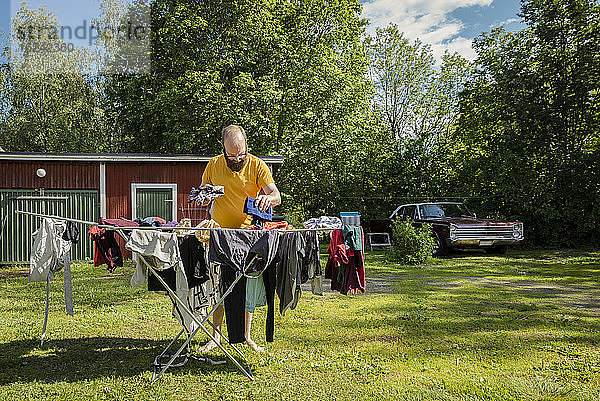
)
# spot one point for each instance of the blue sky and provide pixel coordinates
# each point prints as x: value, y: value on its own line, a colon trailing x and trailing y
x: 4, y: 15
x: 70, y: 13
x: 445, y: 24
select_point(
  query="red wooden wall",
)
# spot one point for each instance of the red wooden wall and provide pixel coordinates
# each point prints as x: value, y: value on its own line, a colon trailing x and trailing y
x: 59, y: 175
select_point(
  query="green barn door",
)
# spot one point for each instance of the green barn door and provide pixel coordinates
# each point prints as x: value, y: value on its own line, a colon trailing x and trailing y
x: 16, y: 229
x: 154, y: 202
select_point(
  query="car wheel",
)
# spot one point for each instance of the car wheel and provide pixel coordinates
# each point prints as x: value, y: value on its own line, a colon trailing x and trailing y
x: 496, y: 250
x: 438, y: 248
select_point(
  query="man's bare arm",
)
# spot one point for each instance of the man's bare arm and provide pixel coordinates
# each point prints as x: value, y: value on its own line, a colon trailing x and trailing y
x: 271, y: 197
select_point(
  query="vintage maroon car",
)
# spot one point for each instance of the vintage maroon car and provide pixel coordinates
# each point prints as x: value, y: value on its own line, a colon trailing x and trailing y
x: 455, y: 226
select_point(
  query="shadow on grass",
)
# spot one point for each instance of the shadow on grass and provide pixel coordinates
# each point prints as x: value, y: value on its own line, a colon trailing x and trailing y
x: 72, y: 360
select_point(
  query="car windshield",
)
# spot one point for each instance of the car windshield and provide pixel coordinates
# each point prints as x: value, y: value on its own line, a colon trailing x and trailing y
x: 445, y: 210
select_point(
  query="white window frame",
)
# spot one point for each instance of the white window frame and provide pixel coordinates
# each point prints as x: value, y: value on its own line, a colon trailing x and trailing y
x: 103, y: 190
x: 134, y: 188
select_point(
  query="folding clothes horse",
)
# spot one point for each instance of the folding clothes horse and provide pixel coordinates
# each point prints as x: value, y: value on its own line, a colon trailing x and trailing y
x: 179, y: 304
x: 184, y: 310
x: 250, y: 264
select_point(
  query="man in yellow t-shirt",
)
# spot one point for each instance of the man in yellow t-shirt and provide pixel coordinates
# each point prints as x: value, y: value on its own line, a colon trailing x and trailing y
x: 242, y: 175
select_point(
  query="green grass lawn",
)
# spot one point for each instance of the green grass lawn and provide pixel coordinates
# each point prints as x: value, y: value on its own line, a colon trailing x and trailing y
x: 524, y: 326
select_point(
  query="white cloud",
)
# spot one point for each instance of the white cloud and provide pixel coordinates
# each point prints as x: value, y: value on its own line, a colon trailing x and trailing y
x: 507, y: 22
x: 462, y: 46
x: 427, y: 20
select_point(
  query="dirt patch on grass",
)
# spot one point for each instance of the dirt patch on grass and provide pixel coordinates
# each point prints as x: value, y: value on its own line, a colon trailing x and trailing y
x: 380, y: 285
x: 579, y: 296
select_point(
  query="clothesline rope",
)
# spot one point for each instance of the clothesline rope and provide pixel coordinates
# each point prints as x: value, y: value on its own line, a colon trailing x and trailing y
x: 112, y: 227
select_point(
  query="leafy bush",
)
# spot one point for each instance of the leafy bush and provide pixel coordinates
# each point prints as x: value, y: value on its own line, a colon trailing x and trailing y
x: 411, y: 245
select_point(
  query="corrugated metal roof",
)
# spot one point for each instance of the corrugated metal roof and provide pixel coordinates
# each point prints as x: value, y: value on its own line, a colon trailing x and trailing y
x: 115, y: 157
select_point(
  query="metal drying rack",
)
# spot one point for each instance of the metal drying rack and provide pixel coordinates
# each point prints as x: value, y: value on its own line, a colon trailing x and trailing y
x: 179, y: 303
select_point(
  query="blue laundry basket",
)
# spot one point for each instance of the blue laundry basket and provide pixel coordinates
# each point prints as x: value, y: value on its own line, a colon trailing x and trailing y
x: 350, y: 218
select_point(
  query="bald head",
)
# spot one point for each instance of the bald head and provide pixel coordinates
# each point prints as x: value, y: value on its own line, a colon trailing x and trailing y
x: 234, y: 147
x: 233, y: 134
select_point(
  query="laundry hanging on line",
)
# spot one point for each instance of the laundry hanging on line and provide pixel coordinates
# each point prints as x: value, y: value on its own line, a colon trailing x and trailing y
x: 299, y: 269
x: 106, y: 248
x: 345, y: 265
x: 217, y: 298
x: 234, y: 250
x: 312, y: 262
x: 183, y: 274
x: 51, y: 252
x: 324, y: 222
x: 273, y: 225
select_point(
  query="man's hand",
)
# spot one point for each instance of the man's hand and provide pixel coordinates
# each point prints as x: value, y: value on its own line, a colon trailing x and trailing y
x: 270, y: 197
x: 263, y: 202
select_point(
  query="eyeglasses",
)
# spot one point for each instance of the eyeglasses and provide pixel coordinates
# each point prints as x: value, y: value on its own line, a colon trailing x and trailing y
x: 240, y: 156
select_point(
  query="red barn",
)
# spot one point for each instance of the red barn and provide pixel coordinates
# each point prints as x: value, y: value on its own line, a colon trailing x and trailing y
x: 89, y: 186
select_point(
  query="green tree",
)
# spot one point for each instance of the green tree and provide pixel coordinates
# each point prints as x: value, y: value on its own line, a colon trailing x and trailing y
x: 46, y: 103
x: 291, y: 72
x: 530, y: 122
x: 417, y: 101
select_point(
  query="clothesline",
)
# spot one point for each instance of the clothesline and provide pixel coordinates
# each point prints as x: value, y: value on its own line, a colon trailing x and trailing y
x: 112, y: 227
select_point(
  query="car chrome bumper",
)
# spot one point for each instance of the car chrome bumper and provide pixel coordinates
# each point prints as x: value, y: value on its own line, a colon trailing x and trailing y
x: 482, y: 242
